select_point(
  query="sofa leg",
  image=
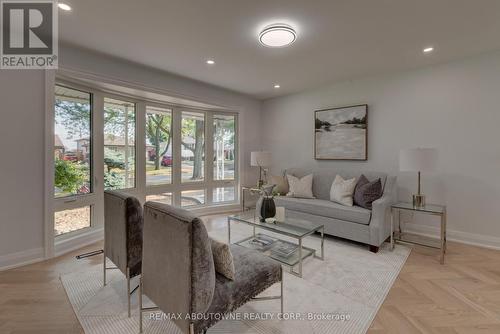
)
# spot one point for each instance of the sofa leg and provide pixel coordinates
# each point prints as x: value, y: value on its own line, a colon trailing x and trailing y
x: 374, y: 249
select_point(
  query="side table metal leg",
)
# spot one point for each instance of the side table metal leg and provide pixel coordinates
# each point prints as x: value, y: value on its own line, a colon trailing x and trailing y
x: 443, y: 236
x: 228, y: 231
x: 399, y: 223
x: 392, y: 229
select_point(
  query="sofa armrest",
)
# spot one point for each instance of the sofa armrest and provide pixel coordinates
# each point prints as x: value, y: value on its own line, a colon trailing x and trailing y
x: 380, y: 224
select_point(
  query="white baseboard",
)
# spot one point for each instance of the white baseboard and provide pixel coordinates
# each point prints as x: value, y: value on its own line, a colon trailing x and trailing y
x: 22, y: 258
x: 80, y: 240
x: 473, y: 239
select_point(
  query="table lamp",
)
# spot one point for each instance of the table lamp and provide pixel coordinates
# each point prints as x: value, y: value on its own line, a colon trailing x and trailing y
x: 418, y: 160
x: 260, y: 159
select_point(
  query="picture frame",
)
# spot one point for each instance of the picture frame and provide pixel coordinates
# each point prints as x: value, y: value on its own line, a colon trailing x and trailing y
x: 341, y: 133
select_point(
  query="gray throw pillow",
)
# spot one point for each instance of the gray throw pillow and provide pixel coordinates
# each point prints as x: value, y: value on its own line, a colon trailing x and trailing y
x: 223, y: 259
x: 367, y: 192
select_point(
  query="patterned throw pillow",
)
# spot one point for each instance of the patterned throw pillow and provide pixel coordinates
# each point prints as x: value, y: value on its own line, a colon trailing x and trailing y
x: 223, y: 259
x: 367, y: 192
x: 342, y: 190
x: 301, y: 188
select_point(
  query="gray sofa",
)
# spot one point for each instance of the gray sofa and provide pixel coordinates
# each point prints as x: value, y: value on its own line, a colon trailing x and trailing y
x: 371, y: 227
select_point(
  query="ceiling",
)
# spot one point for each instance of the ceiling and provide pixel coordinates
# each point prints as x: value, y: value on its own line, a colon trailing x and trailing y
x: 337, y: 39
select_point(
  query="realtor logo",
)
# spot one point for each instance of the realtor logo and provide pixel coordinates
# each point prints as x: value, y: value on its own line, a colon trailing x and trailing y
x: 29, y: 34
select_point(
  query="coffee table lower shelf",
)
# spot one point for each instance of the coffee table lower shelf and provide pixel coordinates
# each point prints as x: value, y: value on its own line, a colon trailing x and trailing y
x: 290, y: 261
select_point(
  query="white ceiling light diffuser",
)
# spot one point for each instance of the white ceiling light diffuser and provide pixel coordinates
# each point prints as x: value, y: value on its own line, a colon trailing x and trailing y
x: 277, y: 36
x: 64, y: 6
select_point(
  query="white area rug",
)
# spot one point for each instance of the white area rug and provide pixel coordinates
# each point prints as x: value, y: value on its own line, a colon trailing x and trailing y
x: 349, y: 286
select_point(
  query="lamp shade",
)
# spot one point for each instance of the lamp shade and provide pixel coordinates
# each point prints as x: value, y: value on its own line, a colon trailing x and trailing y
x: 260, y: 159
x: 418, y: 159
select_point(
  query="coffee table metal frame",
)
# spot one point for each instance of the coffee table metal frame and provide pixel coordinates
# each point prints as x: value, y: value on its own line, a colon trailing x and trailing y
x: 271, y: 227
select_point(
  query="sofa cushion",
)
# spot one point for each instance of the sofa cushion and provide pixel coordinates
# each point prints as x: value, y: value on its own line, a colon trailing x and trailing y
x: 254, y: 273
x: 325, y: 208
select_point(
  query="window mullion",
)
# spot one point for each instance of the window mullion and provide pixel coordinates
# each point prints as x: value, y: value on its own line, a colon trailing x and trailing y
x: 176, y: 153
x: 97, y: 151
x: 140, y: 149
x: 209, y: 156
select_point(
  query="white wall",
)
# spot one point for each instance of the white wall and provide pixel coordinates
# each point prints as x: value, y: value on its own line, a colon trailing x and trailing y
x: 454, y: 107
x: 22, y: 97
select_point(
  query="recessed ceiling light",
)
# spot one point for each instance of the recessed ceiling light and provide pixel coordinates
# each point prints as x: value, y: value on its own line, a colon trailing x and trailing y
x: 277, y: 86
x: 428, y: 49
x: 64, y: 6
x: 211, y: 62
x: 277, y: 35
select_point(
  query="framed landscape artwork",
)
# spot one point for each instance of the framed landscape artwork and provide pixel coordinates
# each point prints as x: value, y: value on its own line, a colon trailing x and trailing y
x: 341, y: 133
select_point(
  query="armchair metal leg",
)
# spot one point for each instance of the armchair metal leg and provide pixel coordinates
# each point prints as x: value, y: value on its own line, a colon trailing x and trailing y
x: 140, y: 304
x: 191, y: 329
x: 128, y: 291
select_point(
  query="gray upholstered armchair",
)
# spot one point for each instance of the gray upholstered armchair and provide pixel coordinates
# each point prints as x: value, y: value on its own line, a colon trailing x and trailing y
x: 123, y: 223
x: 178, y: 272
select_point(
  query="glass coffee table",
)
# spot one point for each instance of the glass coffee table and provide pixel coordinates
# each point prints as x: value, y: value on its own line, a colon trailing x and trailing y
x: 286, y: 252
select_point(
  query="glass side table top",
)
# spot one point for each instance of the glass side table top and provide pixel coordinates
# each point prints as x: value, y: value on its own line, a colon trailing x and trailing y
x: 293, y: 227
x: 431, y: 208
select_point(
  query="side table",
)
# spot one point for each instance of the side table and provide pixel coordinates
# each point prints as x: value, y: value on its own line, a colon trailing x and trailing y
x: 253, y: 193
x: 430, y: 209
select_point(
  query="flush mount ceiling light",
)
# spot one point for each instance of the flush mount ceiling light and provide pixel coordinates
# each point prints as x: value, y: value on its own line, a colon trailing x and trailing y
x: 277, y: 35
x: 277, y: 86
x: 211, y: 62
x: 64, y: 6
x: 428, y: 49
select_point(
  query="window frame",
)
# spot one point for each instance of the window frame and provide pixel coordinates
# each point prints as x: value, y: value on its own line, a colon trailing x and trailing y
x: 172, y: 144
x: 135, y: 102
x: 94, y: 198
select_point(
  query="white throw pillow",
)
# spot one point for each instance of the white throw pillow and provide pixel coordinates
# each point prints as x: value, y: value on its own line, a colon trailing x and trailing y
x: 342, y: 190
x: 300, y: 187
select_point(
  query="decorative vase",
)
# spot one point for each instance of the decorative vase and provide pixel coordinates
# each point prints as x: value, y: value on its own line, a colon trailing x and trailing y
x: 267, y: 208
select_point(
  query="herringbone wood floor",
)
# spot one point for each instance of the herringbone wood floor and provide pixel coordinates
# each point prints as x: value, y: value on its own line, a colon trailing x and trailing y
x: 462, y: 296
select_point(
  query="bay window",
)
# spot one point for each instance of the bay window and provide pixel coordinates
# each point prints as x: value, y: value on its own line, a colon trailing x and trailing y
x: 186, y: 158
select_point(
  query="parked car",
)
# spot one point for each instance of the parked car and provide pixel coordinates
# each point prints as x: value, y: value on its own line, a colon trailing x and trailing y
x: 166, y: 161
x: 70, y: 156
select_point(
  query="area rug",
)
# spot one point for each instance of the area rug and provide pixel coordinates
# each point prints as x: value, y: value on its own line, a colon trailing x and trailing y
x: 341, y: 294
